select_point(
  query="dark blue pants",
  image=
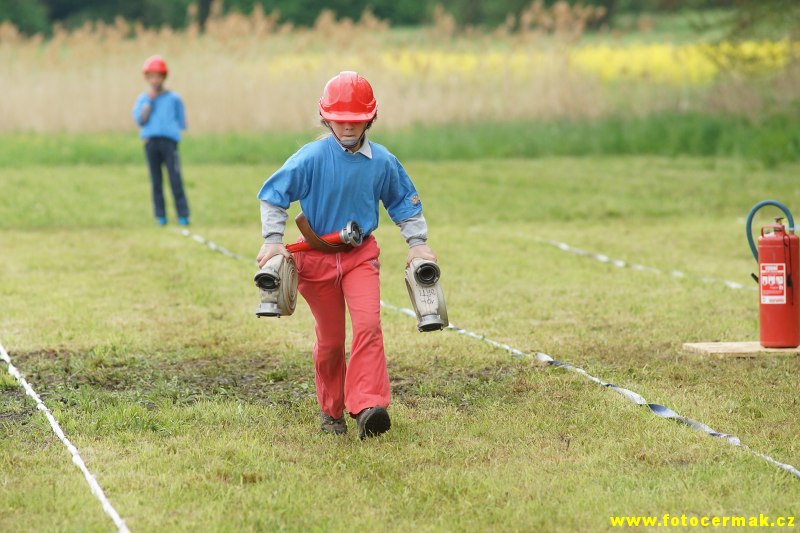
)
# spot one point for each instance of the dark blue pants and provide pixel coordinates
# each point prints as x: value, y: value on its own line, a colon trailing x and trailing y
x: 164, y: 151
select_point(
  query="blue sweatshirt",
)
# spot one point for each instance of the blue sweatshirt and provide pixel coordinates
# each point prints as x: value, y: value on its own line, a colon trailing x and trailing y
x: 167, y: 117
x: 335, y: 186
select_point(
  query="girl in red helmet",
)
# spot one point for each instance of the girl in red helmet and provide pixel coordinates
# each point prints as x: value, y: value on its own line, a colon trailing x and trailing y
x: 161, y: 117
x: 336, y: 179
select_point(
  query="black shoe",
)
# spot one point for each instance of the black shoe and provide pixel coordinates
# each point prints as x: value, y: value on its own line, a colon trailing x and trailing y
x: 328, y: 424
x: 372, y: 422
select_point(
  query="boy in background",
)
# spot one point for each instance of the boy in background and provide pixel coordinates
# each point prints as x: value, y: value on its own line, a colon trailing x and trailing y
x: 161, y: 117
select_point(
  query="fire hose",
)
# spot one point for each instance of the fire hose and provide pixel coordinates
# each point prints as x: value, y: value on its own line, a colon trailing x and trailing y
x: 427, y: 297
x: 344, y: 239
x: 277, y: 279
x: 748, y: 224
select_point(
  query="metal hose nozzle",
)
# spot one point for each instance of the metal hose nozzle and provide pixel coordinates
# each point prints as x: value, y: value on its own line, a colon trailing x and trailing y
x: 427, y: 273
x: 352, y: 234
x: 267, y: 281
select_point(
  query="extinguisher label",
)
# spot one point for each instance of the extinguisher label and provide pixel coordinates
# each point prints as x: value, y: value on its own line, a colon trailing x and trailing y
x: 773, y: 283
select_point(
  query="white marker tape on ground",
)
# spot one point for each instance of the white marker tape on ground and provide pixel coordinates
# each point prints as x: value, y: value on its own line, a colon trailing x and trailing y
x: 656, y: 409
x: 622, y: 264
x: 76, y: 458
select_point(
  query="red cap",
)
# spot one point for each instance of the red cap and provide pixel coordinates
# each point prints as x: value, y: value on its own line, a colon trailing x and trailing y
x: 155, y: 64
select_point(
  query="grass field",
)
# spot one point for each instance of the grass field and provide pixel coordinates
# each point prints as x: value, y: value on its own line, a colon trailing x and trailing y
x: 196, y: 416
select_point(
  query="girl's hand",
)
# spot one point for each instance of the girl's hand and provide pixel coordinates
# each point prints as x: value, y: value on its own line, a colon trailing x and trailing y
x: 268, y: 251
x: 423, y: 251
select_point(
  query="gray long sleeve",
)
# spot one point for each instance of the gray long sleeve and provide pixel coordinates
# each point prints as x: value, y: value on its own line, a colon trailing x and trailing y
x: 273, y: 226
x: 273, y: 222
x: 414, y: 230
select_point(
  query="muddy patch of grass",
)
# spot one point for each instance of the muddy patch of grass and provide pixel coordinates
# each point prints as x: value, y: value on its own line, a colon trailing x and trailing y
x: 259, y: 379
x: 16, y: 409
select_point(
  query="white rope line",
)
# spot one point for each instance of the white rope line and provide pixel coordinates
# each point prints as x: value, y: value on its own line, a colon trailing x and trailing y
x: 76, y: 458
x: 619, y: 263
x: 656, y: 409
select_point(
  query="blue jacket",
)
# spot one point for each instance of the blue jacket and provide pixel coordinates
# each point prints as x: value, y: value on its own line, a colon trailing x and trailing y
x: 335, y: 186
x: 167, y: 117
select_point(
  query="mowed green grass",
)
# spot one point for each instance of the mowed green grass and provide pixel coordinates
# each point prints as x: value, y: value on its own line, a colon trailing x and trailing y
x: 196, y: 416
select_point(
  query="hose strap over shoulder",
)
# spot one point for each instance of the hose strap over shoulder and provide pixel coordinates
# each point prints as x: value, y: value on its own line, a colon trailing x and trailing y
x: 314, y: 240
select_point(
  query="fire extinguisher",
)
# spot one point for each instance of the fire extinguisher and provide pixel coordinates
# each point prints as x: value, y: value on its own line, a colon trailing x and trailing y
x: 778, y: 257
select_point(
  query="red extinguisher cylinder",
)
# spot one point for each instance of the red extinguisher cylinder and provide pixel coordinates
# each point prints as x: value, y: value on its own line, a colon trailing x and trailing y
x: 779, y: 287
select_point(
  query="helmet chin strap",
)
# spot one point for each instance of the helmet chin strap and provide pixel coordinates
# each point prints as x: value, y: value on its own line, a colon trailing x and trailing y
x: 349, y: 144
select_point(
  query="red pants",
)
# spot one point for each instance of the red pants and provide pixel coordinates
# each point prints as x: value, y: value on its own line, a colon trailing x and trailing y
x: 327, y: 281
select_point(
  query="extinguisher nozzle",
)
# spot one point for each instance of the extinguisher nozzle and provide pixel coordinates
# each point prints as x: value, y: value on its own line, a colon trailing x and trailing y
x: 755, y: 278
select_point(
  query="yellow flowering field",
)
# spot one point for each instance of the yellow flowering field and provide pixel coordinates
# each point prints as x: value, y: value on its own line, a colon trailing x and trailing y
x: 694, y: 64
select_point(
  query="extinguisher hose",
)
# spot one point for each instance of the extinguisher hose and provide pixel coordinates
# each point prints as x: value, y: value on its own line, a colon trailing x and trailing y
x: 751, y: 214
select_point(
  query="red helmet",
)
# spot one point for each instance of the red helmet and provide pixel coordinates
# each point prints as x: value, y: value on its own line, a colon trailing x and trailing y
x: 155, y: 64
x: 348, y: 98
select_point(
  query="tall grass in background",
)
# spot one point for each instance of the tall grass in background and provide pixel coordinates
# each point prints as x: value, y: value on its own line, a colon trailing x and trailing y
x: 250, y: 73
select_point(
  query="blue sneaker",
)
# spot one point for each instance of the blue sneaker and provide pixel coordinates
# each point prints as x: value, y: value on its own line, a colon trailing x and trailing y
x: 183, y: 221
x: 161, y: 221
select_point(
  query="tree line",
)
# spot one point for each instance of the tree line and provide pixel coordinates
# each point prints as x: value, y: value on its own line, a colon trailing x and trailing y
x: 38, y: 16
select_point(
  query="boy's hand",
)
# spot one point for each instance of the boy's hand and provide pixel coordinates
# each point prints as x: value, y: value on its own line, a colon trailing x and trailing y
x: 145, y: 115
x: 152, y: 93
x: 423, y: 251
x: 269, y: 250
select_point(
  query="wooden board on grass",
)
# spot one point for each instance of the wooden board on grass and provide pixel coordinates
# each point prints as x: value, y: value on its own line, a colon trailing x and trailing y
x: 736, y: 349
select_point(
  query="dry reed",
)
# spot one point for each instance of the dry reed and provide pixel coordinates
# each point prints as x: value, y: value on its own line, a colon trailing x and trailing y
x: 253, y: 73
